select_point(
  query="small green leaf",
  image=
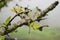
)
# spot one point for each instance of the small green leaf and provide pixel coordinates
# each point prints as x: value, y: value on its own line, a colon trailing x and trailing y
x: 35, y: 25
x: 7, y: 20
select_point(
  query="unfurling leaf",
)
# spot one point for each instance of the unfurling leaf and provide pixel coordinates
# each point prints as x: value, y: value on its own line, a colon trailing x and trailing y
x: 13, y: 10
x: 35, y: 25
x: 17, y: 9
x: 29, y: 15
x: 7, y: 20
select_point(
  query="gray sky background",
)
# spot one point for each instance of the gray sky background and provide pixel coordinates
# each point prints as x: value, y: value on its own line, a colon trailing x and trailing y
x: 53, y: 18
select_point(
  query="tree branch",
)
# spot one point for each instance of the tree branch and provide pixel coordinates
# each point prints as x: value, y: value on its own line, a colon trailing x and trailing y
x: 50, y: 8
x: 14, y: 26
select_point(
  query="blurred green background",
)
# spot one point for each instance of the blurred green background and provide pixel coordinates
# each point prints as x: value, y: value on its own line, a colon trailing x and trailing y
x: 46, y: 34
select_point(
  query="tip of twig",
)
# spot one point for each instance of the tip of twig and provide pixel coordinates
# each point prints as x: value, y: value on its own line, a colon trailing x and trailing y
x: 56, y: 2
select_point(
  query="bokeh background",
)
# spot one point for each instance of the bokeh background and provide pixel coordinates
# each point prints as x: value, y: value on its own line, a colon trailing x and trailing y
x: 53, y: 20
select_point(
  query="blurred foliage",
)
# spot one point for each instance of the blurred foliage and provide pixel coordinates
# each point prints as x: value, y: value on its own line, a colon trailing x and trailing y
x: 47, y: 34
x: 2, y: 37
x: 3, y: 3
